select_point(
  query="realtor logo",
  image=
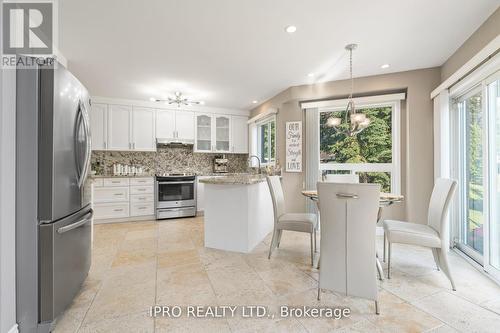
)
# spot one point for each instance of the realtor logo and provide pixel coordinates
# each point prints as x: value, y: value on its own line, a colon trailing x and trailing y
x: 27, y: 28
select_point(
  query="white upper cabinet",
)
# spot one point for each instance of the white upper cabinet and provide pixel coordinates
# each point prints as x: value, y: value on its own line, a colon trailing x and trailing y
x: 222, y: 133
x: 136, y: 128
x: 98, y: 124
x: 119, y: 129
x: 172, y: 124
x: 184, y: 125
x: 239, y: 135
x: 203, y: 141
x: 143, y: 129
x: 165, y: 124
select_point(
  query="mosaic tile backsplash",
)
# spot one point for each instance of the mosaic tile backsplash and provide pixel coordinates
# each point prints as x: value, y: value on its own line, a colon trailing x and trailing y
x: 173, y: 160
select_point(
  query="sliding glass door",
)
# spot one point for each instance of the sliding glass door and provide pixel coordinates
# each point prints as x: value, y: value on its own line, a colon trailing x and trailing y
x: 472, y: 128
x: 478, y: 172
x: 493, y: 231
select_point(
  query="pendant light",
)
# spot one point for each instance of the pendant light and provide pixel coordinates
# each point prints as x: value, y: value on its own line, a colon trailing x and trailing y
x: 356, y: 121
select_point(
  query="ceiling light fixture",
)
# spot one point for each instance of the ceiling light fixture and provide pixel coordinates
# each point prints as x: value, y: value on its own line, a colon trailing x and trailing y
x: 291, y: 29
x: 255, y: 102
x: 354, y: 122
x: 384, y: 66
x: 177, y: 99
x: 310, y: 74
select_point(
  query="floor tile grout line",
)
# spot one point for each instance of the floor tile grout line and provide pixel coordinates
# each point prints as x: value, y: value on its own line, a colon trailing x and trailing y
x: 90, y: 306
x: 212, y: 287
x: 445, y: 322
x: 98, y: 290
x: 418, y: 308
x: 471, y: 302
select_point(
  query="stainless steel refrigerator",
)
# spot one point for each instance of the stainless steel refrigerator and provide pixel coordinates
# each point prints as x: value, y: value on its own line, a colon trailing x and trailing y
x: 54, y: 215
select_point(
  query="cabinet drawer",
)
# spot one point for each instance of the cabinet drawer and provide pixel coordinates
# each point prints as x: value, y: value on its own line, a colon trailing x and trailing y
x: 140, y: 209
x: 138, y: 198
x: 98, y: 182
x: 111, y: 210
x: 141, y: 181
x: 111, y: 194
x: 116, y: 181
x: 141, y: 189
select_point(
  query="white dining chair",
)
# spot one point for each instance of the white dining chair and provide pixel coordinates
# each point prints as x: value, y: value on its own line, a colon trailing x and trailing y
x: 354, y: 179
x: 301, y: 222
x: 342, y: 178
x: 433, y: 235
x: 349, y: 215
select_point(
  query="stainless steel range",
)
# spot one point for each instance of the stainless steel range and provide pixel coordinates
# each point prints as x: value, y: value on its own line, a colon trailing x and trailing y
x: 175, y: 195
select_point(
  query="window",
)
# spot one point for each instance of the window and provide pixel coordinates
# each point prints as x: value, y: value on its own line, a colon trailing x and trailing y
x: 372, y: 155
x: 266, y: 140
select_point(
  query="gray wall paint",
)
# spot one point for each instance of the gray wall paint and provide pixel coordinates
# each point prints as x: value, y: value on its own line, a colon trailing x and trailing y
x: 479, y: 39
x: 7, y: 199
x: 416, y: 140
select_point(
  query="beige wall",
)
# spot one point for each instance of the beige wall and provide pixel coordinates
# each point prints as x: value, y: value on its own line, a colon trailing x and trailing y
x: 417, y: 139
x: 482, y: 36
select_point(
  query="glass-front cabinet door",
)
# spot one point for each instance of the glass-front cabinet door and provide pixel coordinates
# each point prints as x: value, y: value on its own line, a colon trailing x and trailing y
x: 203, y: 133
x: 222, y: 133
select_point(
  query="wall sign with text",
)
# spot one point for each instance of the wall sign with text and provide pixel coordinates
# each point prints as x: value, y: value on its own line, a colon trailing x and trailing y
x: 293, y: 146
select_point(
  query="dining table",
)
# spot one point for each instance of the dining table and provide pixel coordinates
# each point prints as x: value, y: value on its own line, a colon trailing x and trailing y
x: 385, y: 200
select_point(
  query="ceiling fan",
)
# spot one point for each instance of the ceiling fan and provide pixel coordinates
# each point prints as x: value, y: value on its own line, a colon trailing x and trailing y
x: 178, y: 99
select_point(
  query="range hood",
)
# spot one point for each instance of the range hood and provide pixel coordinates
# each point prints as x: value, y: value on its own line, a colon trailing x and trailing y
x: 174, y: 142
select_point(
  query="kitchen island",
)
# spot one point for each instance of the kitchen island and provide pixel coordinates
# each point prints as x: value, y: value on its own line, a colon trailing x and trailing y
x: 238, y: 212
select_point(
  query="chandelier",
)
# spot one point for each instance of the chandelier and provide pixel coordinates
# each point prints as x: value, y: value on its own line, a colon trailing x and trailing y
x: 177, y: 99
x: 354, y: 122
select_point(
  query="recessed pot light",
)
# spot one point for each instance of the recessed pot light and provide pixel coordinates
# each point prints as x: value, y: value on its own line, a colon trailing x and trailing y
x: 202, y: 102
x: 255, y: 102
x: 290, y: 29
x: 384, y: 66
x: 152, y: 99
x: 310, y: 74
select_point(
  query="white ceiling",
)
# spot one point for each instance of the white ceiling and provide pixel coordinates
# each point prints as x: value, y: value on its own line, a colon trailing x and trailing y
x: 231, y: 52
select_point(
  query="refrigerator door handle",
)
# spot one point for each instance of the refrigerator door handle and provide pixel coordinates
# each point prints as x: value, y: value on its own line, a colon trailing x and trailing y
x: 75, y: 225
x: 79, y: 167
x: 86, y: 126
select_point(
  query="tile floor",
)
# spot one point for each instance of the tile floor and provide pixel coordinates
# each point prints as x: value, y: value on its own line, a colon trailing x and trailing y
x: 137, y: 265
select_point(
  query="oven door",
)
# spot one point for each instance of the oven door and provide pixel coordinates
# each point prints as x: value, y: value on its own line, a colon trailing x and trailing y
x: 171, y: 194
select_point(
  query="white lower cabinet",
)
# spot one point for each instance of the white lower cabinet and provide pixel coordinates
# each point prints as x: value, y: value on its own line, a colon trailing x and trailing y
x: 123, y: 198
x: 142, y: 198
x: 111, y: 210
x: 110, y: 194
x: 141, y: 209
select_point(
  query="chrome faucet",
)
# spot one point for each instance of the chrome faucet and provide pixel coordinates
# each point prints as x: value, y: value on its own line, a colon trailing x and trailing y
x: 258, y: 159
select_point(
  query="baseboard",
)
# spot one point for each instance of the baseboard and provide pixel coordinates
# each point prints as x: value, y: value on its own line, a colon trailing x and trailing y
x: 13, y: 329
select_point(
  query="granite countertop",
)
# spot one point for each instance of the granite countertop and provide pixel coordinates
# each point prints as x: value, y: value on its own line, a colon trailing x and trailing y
x: 123, y: 176
x: 235, y: 179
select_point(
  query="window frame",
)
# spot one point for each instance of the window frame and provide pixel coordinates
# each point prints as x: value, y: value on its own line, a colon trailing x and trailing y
x: 394, y: 168
x: 259, y: 124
